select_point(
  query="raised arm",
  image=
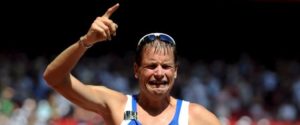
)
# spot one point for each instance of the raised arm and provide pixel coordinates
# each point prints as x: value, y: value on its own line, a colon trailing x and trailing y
x: 58, y: 72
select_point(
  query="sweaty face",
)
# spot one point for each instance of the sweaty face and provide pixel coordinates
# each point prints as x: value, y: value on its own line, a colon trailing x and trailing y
x: 157, y: 71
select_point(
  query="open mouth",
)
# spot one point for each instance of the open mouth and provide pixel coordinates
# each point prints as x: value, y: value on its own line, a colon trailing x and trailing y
x: 158, y: 84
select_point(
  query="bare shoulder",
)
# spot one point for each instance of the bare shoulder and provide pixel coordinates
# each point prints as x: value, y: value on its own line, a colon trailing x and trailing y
x: 111, y: 96
x: 113, y: 99
x: 114, y: 102
x: 199, y: 115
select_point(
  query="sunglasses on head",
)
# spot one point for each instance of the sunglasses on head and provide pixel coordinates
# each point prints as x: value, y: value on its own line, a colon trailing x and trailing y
x: 154, y: 36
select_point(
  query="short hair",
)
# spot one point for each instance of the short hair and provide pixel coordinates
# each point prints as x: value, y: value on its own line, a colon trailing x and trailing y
x: 157, y: 40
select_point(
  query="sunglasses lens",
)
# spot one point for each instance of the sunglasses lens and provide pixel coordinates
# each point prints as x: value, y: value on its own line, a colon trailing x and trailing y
x: 166, y: 39
x: 151, y: 38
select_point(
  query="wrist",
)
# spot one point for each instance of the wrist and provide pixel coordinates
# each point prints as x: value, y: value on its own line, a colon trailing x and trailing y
x: 82, y: 42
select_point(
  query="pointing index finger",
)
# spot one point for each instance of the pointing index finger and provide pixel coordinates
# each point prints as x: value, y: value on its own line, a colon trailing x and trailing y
x: 111, y: 10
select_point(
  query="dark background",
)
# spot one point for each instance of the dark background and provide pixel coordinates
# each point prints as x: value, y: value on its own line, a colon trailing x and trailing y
x: 211, y: 29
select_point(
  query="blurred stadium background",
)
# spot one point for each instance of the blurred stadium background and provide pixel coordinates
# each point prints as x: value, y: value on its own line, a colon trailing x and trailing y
x: 238, y: 58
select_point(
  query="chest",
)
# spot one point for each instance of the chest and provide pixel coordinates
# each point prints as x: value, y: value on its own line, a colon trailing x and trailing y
x: 164, y: 118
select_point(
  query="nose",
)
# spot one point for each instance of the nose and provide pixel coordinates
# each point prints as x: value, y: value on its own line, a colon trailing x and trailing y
x: 159, y: 73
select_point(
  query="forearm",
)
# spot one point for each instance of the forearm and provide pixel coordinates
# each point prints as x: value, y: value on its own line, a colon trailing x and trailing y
x: 102, y: 29
x: 58, y: 71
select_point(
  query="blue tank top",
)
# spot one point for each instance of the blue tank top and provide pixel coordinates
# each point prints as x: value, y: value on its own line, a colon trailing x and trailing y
x: 180, y: 117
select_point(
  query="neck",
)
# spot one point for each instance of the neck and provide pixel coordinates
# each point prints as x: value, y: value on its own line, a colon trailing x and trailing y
x: 153, y: 105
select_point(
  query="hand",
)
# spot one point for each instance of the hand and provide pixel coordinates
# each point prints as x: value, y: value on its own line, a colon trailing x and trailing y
x: 102, y: 28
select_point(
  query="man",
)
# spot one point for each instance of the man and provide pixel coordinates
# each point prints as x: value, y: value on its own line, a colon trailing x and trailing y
x: 155, y: 69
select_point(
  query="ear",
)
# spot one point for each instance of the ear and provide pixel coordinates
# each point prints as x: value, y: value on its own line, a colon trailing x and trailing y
x: 175, y: 73
x: 136, y: 67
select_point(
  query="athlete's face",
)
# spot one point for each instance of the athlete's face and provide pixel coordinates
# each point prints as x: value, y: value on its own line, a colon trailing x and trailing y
x: 157, y: 71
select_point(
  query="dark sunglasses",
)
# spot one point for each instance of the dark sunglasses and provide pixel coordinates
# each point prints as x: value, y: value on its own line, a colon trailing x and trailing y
x: 153, y: 36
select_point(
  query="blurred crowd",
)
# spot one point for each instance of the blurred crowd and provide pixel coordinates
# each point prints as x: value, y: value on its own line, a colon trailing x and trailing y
x: 241, y: 92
